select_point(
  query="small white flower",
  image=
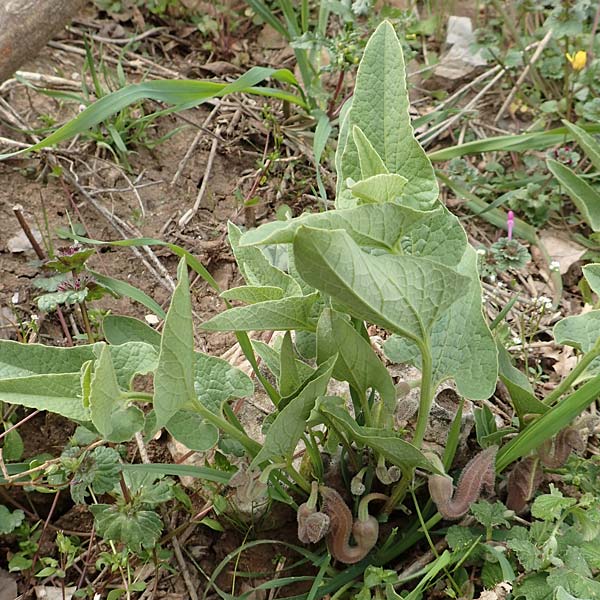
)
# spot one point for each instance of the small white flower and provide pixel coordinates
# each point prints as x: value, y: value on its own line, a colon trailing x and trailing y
x: 516, y: 339
x: 492, y: 278
x: 481, y: 251
x: 554, y: 265
x: 35, y: 318
x: 15, y: 298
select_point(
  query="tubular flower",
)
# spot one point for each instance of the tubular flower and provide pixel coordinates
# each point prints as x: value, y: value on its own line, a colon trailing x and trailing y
x: 578, y: 60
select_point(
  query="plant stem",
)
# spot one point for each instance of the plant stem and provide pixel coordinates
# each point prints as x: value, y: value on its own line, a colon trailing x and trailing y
x: 251, y: 446
x: 568, y: 381
x: 427, y: 392
x: 398, y: 493
x: 297, y: 477
x: 86, y: 321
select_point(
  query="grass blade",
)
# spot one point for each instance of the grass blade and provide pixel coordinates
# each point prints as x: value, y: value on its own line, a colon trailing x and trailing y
x: 182, y: 93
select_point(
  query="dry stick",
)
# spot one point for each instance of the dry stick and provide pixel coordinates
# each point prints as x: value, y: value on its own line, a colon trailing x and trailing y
x: 41, y: 79
x: 524, y: 74
x: 16, y: 425
x: 193, y: 145
x: 117, y: 41
x: 137, y: 63
x: 187, y: 217
x: 18, y: 210
x: 436, y: 130
x: 125, y: 231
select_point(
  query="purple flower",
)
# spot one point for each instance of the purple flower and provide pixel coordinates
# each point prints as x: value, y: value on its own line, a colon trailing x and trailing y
x: 510, y: 222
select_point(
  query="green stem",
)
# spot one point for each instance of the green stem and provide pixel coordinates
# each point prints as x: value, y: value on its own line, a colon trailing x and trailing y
x: 398, y: 493
x: 298, y: 478
x: 141, y: 396
x: 568, y: 381
x: 251, y: 446
x: 427, y: 392
x: 86, y: 321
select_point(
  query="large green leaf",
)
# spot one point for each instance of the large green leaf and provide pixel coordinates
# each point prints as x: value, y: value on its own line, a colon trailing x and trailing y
x: 462, y: 346
x: 215, y: 380
x: 174, y: 379
x: 114, y: 419
x: 56, y: 392
x: 294, y: 312
x: 357, y: 362
x: 23, y: 360
x: 251, y: 294
x: 405, y: 294
x: 584, y: 196
x: 580, y: 331
x: 379, y: 226
x: 287, y: 428
x: 105, y: 393
x: 380, y: 109
x: 193, y: 431
x: 131, y: 359
x: 383, y: 441
x: 591, y: 272
x: 119, y: 330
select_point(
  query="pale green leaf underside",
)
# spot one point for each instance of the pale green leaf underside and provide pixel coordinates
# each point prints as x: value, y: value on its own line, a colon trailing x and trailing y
x: 437, y: 235
x: 174, y: 378
x: 584, y: 196
x: 59, y: 393
x: 289, y: 313
x: 22, y: 360
x: 462, y: 345
x: 580, y: 331
x: 380, y: 108
x: 405, y: 294
x: 256, y: 268
x: 105, y: 394
x: 369, y: 160
x: 251, y: 294
x: 379, y: 188
x: 591, y: 273
x: 131, y: 359
x: 379, y: 226
x: 192, y: 431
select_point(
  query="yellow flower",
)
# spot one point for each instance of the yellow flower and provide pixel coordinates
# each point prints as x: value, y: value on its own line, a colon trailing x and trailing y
x: 578, y: 60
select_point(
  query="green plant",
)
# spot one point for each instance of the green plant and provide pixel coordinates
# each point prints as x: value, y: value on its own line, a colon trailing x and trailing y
x: 391, y: 255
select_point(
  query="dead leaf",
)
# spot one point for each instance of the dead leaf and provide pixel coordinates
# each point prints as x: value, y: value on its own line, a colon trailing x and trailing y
x: 19, y: 243
x: 8, y: 586
x: 562, y: 249
x: 269, y: 38
x: 46, y: 592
